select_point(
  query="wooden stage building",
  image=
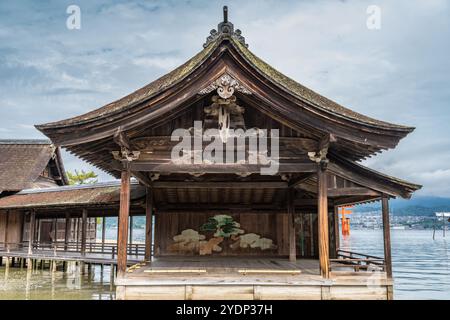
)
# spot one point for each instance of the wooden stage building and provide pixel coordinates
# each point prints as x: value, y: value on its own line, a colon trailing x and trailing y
x: 223, y: 228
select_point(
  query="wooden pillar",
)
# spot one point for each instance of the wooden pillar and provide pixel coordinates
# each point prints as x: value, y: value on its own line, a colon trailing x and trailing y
x: 322, y: 206
x: 336, y: 227
x: 55, y: 231
x: 386, y: 235
x: 31, y: 231
x: 67, y: 231
x: 291, y: 225
x: 6, y: 227
x: 83, y: 232
x: 78, y: 240
x: 123, y: 221
x: 37, y: 234
x: 148, y: 224
x: 103, y: 232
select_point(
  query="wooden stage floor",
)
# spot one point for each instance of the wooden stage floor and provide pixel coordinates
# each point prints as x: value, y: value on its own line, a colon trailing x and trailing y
x: 228, y: 265
x: 195, y: 278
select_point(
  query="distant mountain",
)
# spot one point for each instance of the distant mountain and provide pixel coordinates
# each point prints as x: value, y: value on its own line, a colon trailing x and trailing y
x: 416, y: 206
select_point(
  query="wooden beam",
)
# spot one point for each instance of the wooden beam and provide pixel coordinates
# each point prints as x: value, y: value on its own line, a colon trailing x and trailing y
x: 170, y: 168
x: 142, y: 178
x: 219, y: 185
x: 123, y: 222
x: 322, y: 204
x: 31, y: 231
x: 148, y: 224
x: 156, y: 143
x: 200, y: 207
x: 355, y: 200
x: 291, y: 226
x: 325, y: 142
x: 295, y: 182
x: 309, y: 202
x: 121, y: 139
x: 354, y: 176
x: 83, y: 232
x: 386, y: 235
x: 353, y: 191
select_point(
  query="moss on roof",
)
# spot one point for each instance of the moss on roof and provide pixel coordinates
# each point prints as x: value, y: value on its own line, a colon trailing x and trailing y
x: 289, y: 85
x: 304, y: 93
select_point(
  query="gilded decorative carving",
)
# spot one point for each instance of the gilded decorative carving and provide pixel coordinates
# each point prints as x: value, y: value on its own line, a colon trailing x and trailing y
x: 225, y: 86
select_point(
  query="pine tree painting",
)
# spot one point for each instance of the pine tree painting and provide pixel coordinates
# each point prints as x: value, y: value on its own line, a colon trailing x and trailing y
x: 222, y: 225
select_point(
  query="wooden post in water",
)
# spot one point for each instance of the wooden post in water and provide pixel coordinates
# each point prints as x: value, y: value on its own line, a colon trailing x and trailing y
x: 111, y: 276
x: 55, y: 230
x: 322, y: 206
x: 386, y: 234
x: 83, y: 232
x: 123, y: 220
x: 83, y: 238
x: 291, y: 225
x: 31, y: 232
x: 6, y: 228
x: 67, y: 231
x: 148, y: 224
x: 76, y: 235
x: 103, y: 233
x: 444, y: 225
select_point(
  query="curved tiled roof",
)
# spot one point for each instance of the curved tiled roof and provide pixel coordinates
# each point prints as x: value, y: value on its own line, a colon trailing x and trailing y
x: 22, y: 161
x: 172, y: 78
x: 91, y: 194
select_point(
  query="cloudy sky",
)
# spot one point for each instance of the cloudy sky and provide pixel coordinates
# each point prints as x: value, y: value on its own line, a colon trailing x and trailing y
x: 399, y: 73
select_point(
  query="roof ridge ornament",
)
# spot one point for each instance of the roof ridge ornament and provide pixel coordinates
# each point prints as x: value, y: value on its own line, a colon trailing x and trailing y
x: 225, y: 85
x: 225, y: 29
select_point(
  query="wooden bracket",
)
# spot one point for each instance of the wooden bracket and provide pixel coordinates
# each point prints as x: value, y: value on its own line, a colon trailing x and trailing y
x: 320, y: 156
x: 125, y: 155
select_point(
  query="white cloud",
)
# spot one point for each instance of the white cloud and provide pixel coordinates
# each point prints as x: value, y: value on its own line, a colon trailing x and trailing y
x: 165, y: 63
x: 400, y: 73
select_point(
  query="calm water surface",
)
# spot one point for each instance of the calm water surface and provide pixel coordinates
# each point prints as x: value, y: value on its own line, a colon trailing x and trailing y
x: 19, y: 284
x: 421, y: 270
x: 421, y: 265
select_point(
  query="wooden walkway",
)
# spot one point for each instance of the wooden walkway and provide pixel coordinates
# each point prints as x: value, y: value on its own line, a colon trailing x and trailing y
x: 93, y: 258
x: 95, y: 253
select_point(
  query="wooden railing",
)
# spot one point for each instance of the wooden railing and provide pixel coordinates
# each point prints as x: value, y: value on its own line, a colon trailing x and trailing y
x: 73, y: 247
x: 357, y: 261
